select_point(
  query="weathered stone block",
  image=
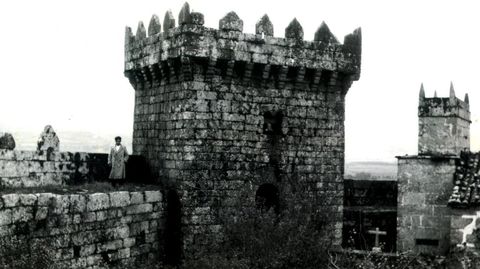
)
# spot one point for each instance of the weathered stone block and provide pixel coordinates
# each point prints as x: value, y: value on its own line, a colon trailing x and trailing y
x: 124, y: 253
x: 153, y: 196
x: 27, y: 199
x: 101, y: 215
x: 119, y: 199
x: 44, y: 199
x: 456, y: 237
x: 457, y: 222
x: 78, y: 203
x: 60, y: 204
x: 87, y: 250
x: 136, y: 198
x: 41, y: 213
x: 128, y: 242
x: 413, y: 199
x: 5, y: 217
x: 121, y: 232
x: 89, y: 217
x: 111, y: 245
x: 94, y: 260
x: 21, y: 214
x: 138, y: 209
x: 11, y: 200
x: 98, y: 201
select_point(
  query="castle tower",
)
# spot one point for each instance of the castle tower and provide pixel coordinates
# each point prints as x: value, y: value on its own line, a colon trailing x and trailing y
x: 224, y: 117
x: 443, y: 124
x: 425, y: 181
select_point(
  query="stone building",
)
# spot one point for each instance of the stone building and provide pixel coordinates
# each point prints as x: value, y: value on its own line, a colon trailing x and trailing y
x: 222, y: 116
x: 438, y: 188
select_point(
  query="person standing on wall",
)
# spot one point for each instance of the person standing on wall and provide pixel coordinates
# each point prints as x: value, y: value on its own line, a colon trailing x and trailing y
x: 117, y: 159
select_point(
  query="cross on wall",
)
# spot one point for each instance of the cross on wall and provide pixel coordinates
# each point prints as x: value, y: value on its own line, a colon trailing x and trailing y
x: 377, y: 234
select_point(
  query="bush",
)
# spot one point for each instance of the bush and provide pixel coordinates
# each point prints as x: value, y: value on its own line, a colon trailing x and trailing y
x: 254, y: 237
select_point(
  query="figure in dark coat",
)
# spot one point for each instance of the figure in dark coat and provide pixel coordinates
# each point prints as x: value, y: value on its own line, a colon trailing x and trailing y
x: 117, y: 159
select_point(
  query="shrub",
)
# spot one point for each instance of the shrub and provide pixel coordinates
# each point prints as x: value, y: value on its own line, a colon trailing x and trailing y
x: 254, y: 237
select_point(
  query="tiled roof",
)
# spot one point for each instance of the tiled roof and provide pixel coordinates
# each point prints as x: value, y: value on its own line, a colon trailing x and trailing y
x: 466, y: 190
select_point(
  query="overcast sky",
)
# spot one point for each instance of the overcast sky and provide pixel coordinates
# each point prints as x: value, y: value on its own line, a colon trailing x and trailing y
x: 61, y: 62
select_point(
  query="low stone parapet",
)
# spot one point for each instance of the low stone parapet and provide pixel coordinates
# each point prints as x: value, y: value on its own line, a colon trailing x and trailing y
x: 41, y: 168
x: 115, y: 229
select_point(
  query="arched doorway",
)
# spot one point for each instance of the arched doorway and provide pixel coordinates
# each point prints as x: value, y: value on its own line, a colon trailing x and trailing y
x: 267, y: 197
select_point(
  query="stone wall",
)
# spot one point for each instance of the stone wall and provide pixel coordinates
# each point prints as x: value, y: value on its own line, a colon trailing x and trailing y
x: 424, y: 187
x: 20, y: 169
x: 113, y: 230
x: 220, y: 113
x: 39, y: 168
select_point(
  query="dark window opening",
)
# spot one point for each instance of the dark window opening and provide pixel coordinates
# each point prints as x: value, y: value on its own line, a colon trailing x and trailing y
x: 272, y: 123
x: 76, y: 251
x: 239, y: 69
x: 138, y: 76
x: 173, y: 231
x: 426, y: 242
x: 257, y: 74
x: 166, y: 71
x: 221, y: 67
x: 309, y: 75
x: 274, y: 74
x: 325, y: 78
x: 177, y: 66
x: 257, y: 71
x: 105, y: 257
x: 41, y: 224
x: 157, y: 72
x: 140, y: 239
x: 292, y: 73
x: 267, y: 197
x: 201, y: 66
x: 147, y: 73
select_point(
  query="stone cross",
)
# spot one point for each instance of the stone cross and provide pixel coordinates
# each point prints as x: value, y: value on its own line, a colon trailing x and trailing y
x: 377, y: 234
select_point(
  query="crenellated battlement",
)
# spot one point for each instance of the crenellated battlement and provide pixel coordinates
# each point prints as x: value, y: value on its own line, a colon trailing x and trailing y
x: 170, y: 54
x: 451, y: 106
x: 443, y: 124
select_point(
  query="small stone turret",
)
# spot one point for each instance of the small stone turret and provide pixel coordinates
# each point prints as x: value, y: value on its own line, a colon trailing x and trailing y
x: 443, y: 124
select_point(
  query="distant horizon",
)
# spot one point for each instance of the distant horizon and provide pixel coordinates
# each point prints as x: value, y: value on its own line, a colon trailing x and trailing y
x: 26, y: 140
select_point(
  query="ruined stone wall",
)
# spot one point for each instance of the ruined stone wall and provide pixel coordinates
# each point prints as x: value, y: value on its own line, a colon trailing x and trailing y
x: 424, y: 187
x: 21, y: 169
x: 98, y: 230
x: 219, y: 113
x: 39, y: 168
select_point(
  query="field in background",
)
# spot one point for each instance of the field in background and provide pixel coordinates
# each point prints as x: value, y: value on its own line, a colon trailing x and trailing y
x: 371, y: 170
